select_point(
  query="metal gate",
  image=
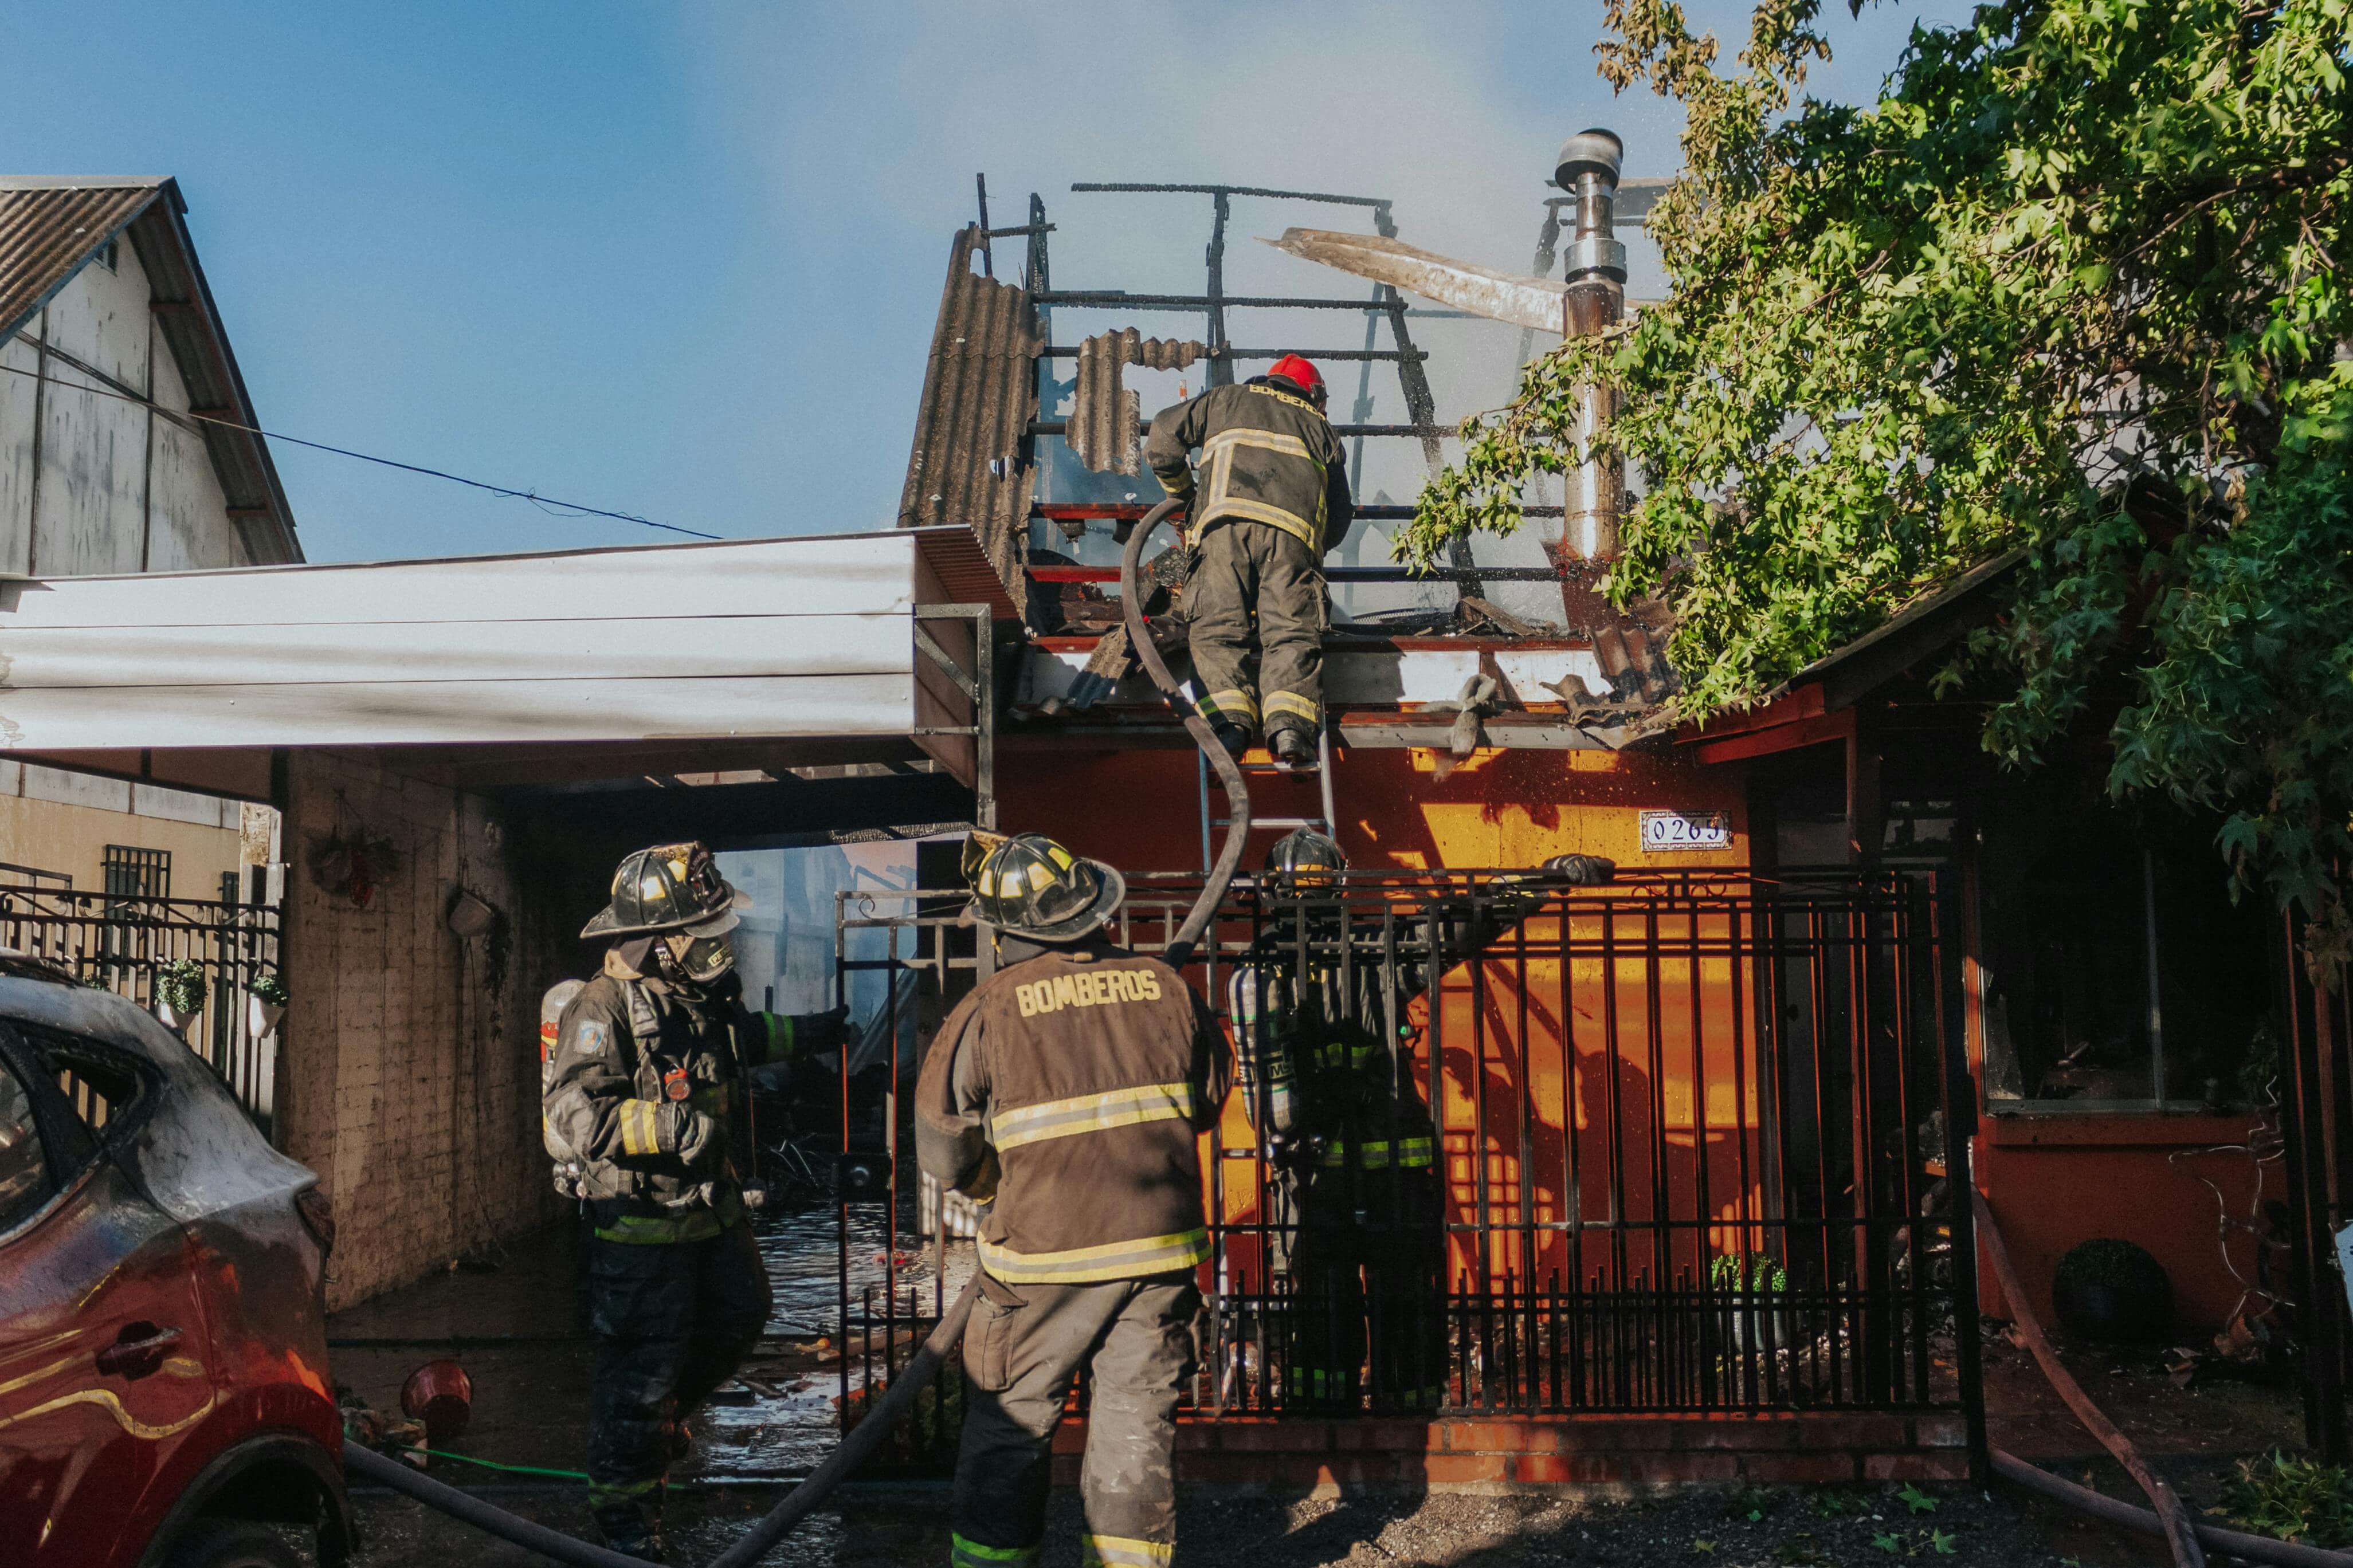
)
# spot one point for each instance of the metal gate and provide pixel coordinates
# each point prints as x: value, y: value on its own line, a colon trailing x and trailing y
x: 117, y: 942
x: 1686, y: 1140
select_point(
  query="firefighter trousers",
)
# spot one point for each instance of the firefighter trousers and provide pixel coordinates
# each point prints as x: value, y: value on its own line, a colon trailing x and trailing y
x: 1256, y: 609
x: 672, y: 1322
x: 1369, y: 1304
x: 1025, y: 1346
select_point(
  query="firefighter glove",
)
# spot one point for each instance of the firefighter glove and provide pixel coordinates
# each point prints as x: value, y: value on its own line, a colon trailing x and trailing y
x: 668, y: 1127
x: 823, y: 1031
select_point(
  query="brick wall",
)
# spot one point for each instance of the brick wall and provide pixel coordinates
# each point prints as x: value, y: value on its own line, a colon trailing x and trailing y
x: 408, y: 1080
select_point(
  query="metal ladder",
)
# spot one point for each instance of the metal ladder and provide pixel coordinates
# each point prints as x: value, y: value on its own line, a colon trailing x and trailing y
x: 1322, y: 824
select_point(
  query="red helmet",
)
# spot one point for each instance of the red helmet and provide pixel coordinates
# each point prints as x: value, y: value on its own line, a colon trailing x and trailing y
x: 1301, y: 374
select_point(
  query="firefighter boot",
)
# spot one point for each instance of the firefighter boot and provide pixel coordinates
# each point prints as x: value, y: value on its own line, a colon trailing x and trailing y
x: 634, y: 1528
x: 1295, y: 749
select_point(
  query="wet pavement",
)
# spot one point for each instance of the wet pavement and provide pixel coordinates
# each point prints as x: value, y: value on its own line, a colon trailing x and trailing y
x: 514, y: 1325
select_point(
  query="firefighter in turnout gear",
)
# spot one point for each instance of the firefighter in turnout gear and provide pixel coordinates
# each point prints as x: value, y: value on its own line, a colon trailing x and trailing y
x: 1068, y: 1092
x: 1354, y: 1191
x: 644, y: 1111
x: 1272, y: 498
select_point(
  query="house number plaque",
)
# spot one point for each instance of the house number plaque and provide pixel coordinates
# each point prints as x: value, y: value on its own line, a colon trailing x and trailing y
x: 1674, y: 832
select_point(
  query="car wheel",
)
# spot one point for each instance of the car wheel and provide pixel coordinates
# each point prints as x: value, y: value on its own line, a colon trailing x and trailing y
x: 231, y: 1543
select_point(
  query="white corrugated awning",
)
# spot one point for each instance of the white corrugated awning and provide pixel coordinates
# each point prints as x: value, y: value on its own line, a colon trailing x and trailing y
x: 502, y: 669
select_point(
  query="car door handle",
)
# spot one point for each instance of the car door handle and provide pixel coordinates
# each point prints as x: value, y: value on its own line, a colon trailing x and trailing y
x: 138, y: 1350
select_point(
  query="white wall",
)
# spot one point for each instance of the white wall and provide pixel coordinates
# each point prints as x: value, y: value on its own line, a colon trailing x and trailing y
x: 119, y: 489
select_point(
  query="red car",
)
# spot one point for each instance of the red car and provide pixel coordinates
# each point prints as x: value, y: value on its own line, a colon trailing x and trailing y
x: 165, y: 1400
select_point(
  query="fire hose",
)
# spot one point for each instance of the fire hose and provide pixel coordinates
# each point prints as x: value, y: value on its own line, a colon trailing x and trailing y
x: 884, y: 1414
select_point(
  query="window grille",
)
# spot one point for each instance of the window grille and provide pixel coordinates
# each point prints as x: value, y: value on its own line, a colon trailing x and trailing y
x: 133, y: 872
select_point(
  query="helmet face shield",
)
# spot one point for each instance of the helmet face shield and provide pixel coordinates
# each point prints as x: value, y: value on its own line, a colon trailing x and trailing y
x: 702, y: 959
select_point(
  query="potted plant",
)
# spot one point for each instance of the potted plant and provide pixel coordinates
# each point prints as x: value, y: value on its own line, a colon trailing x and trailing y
x: 179, y: 991
x: 1752, y: 1288
x: 265, y: 1004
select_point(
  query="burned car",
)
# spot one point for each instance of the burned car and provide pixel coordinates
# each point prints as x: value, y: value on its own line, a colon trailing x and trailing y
x: 165, y: 1400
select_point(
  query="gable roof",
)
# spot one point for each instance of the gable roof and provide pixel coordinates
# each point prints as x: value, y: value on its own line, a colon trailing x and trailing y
x: 50, y: 227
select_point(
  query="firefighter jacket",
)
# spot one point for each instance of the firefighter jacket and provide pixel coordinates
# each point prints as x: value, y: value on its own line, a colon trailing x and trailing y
x: 1267, y: 455
x: 1087, y: 1075
x: 648, y: 1088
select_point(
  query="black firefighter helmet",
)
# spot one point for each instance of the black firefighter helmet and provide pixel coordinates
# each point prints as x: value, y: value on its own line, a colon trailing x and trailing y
x: 1029, y: 886
x: 1304, y: 859
x: 671, y: 887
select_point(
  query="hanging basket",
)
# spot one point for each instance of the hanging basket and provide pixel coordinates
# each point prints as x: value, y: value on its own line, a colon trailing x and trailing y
x: 261, y: 1017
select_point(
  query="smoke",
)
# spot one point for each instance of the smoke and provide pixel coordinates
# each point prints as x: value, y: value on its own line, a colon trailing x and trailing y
x: 861, y: 128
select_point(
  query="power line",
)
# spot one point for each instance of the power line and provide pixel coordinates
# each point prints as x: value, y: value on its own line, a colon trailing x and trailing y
x: 544, y: 503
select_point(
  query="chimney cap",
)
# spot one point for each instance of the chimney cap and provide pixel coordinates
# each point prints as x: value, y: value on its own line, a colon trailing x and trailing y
x: 1592, y: 151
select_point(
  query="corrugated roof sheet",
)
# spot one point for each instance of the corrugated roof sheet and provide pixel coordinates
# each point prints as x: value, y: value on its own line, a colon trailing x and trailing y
x: 971, y: 457
x: 1102, y: 431
x: 47, y: 230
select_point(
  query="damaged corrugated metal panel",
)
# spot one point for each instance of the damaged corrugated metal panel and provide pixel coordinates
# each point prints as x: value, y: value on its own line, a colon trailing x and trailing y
x: 1102, y: 431
x: 47, y: 228
x: 970, y: 463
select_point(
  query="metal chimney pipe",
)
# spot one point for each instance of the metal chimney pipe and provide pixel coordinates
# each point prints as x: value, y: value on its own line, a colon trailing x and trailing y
x: 1596, y: 272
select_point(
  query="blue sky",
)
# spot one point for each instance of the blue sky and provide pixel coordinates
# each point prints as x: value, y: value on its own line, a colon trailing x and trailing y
x: 682, y: 260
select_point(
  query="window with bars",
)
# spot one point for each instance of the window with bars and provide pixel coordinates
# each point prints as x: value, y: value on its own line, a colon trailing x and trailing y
x: 133, y: 872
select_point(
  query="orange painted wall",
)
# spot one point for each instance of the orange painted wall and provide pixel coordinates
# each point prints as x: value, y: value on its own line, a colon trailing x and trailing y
x: 2055, y: 1181
x: 1140, y: 811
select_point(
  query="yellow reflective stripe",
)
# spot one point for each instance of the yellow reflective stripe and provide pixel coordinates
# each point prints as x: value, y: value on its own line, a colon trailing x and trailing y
x: 1265, y: 440
x: 1291, y: 702
x: 1290, y: 522
x: 638, y: 1133
x: 1124, y: 1552
x: 780, y: 1036
x: 1240, y: 704
x: 1217, y: 455
x: 1375, y: 1156
x: 1086, y: 1265
x: 1090, y: 1113
x: 964, y: 1553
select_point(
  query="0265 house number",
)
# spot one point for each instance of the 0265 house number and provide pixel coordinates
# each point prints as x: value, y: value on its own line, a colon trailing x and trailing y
x: 1669, y: 832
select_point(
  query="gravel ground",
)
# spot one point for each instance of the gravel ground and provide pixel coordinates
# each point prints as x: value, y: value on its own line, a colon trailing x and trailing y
x: 1776, y: 1528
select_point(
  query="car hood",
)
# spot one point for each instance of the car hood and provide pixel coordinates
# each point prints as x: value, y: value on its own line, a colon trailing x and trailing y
x: 197, y: 1154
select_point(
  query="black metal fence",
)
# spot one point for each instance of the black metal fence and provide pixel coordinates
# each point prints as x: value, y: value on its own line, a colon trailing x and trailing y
x: 1673, y: 1144
x: 119, y: 944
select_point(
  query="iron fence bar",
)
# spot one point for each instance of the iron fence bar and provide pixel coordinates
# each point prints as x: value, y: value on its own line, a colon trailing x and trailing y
x: 1959, y: 1092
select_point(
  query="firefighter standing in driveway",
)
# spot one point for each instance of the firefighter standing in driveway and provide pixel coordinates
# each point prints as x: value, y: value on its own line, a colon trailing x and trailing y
x: 1273, y: 495
x: 1071, y: 1087
x: 643, y: 1112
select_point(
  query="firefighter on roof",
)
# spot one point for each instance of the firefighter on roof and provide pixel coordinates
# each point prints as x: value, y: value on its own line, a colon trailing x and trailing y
x: 1273, y: 495
x: 644, y: 1112
x: 1068, y: 1092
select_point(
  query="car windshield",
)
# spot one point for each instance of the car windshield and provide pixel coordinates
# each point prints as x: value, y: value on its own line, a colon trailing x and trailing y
x: 24, y: 1175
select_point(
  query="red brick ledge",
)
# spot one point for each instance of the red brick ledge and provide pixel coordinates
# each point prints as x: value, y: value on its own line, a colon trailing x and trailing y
x: 1495, y: 1453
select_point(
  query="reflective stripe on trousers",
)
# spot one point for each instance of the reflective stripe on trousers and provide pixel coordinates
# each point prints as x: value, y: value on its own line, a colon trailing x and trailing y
x: 1094, y: 1265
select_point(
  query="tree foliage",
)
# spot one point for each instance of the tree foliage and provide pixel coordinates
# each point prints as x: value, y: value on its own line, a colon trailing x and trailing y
x: 2072, y: 285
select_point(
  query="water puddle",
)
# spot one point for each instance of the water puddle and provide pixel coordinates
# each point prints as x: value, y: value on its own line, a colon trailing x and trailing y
x: 794, y: 1418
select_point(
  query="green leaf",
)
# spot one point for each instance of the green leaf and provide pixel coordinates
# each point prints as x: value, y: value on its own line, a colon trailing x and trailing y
x: 1918, y: 1501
